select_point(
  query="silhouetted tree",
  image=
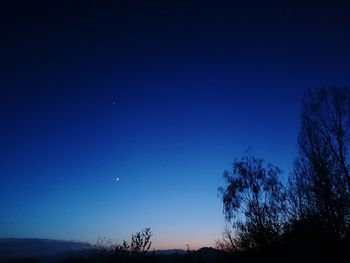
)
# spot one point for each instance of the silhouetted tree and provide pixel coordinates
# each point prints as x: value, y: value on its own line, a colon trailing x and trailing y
x: 141, y: 241
x: 228, y: 242
x: 139, y: 246
x: 319, y: 184
x: 254, y: 204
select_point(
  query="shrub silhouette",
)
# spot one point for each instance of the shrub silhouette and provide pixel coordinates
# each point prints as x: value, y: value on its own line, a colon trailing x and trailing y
x: 140, y: 242
x: 139, y: 246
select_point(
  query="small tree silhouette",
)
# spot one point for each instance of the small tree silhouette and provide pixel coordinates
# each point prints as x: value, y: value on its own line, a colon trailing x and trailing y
x: 140, y: 245
x: 141, y: 241
x: 254, y: 203
x: 228, y: 242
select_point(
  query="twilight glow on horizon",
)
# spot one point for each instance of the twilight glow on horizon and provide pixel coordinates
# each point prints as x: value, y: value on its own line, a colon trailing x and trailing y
x: 119, y: 117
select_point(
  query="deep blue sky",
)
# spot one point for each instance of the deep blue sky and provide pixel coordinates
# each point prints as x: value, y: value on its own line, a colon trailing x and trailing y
x: 162, y: 95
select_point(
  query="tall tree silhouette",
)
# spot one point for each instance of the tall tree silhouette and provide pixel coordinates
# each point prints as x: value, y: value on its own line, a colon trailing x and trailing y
x: 320, y: 182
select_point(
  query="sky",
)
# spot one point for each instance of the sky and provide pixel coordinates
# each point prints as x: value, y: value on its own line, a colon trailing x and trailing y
x: 163, y: 95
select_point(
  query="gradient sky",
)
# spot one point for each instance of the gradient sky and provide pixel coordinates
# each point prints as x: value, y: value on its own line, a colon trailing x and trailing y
x: 163, y: 95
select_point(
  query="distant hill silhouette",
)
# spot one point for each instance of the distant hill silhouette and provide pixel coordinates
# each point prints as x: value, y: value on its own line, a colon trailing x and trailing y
x: 170, y: 252
x: 209, y: 254
x: 15, y: 248
x: 209, y: 251
x: 48, y: 250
